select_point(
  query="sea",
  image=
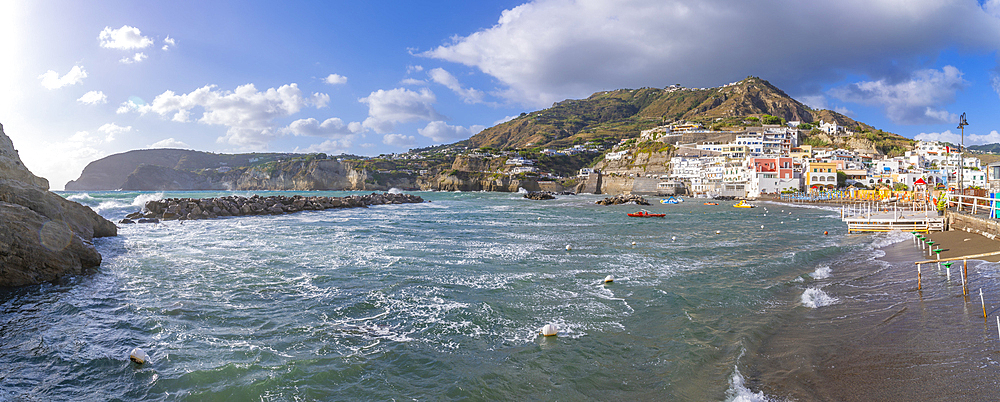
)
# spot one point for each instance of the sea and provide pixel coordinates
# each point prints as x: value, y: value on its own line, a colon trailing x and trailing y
x: 444, y: 300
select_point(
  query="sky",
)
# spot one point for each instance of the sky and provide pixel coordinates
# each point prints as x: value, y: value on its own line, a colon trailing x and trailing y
x: 84, y: 80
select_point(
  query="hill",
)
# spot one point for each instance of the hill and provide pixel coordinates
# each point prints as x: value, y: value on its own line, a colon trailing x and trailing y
x: 111, y: 172
x: 623, y: 113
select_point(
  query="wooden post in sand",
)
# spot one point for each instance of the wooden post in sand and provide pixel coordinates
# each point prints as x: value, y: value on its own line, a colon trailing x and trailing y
x: 964, y: 272
x: 984, y: 303
x: 918, y: 277
x: 965, y: 277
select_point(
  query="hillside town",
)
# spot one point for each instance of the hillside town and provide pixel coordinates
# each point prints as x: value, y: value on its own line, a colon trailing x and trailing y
x: 770, y: 160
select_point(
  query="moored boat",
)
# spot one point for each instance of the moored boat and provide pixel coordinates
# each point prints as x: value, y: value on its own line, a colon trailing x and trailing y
x: 744, y: 204
x: 645, y: 214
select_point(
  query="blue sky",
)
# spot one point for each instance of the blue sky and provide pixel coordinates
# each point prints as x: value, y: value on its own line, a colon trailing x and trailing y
x: 83, y: 80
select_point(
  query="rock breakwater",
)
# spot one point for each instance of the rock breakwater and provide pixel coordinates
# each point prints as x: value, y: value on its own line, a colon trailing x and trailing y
x: 212, y: 208
x: 623, y: 199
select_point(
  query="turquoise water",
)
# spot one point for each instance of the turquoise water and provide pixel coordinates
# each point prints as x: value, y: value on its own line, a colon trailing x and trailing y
x: 440, y: 300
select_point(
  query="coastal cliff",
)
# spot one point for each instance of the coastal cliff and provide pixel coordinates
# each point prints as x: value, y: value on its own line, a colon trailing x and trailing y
x: 44, y: 236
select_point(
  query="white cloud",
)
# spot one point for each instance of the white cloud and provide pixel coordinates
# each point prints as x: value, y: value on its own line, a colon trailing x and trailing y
x: 112, y: 129
x: 504, y: 120
x: 440, y: 131
x: 168, y: 43
x: 331, y: 147
x: 169, y: 143
x: 913, y: 101
x: 52, y: 80
x: 134, y: 59
x: 93, y: 98
x: 956, y: 138
x: 134, y: 104
x: 412, y: 81
x: 331, y: 128
x: 123, y: 38
x: 400, y: 105
x: 334, y: 79
x: 399, y: 140
x: 249, y: 114
x: 412, y: 69
x: 545, y: 51
x: 468, y: 95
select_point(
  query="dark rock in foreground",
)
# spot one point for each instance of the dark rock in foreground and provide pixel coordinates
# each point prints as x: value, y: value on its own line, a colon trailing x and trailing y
x: 43, y: 236
x: 212, y: 208
x: 623, y: 199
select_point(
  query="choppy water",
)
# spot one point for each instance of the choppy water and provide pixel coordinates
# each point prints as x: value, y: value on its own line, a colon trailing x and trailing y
x: 444, y: 300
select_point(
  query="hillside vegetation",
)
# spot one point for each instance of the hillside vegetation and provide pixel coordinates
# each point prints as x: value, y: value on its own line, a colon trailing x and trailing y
x: 623, y: 113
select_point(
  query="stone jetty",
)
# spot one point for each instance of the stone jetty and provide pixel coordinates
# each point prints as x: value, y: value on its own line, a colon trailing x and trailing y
x: 623, y: 199
x: 212, y: 208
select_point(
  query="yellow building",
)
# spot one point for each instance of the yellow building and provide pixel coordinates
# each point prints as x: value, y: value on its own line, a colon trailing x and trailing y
x: 821, y: 174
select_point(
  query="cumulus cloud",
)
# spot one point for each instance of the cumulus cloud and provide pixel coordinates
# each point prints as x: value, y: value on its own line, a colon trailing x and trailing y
x: 169, y: 143
x: 134, y: 59
x: 440, y: 131
x: 400, y: 105
x: 123, y: 38
x: 248, y: 113
x: 399, y: 140
x: 168, y: 43
x: 134, y: 104
x: 549, y: 50
x: 916, y: 100
x: 468, y: 95
x: 328, y: 147
x: 331, y: 128
x: 412, y: 81
x: 111, y: 130
x: 956, y: 138
x: 93, y: 98
x: 52, y: 80
x: 334, y: 79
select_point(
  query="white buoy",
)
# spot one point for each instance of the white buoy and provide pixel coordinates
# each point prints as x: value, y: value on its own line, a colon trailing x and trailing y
x: 550, y: 330
x: 609, y: 279
x: 673, y: 238
x: 718, y: 231
x: 633, y: 243
x: 569, y: 247
x: 761, y: 226
x: 139, y: 356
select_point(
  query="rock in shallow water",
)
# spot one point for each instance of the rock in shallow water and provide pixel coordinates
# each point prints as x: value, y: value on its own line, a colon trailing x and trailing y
x: 44, y: 236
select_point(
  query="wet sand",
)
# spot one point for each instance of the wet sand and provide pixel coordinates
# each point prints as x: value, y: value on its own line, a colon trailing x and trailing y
x: 957, y: 243
x: 884, y: 339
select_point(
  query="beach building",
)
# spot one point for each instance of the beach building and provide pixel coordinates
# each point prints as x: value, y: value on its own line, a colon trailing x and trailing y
x: 822, y: 174
x: 772, y: 175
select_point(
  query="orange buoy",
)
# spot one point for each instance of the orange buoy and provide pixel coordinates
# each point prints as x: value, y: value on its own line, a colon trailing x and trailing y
x: 825, y: 233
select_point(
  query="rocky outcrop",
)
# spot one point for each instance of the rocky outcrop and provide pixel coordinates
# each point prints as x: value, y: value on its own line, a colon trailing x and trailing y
x: 44, y: 236
x: 623, y: 199
x: 539, y: 195
x: 211, y: 208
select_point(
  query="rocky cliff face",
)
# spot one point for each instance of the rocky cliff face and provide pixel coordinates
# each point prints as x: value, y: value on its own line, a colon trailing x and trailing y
x: 44, y: 236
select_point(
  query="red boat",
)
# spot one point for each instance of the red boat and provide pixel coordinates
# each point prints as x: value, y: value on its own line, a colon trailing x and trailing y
x: 645, y: 214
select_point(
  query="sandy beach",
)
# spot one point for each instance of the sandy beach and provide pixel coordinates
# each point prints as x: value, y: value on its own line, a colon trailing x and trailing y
x: 957, y: 243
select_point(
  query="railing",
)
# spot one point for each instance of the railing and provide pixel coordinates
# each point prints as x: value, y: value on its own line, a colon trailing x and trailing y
x: 974, y: 204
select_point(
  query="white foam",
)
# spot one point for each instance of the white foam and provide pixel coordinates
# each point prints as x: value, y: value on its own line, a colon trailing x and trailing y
x: 395, y: 190
x: 821, y: 273
x: 80, y: 197
x: 141, y: 199
x: 738, y: 392
x: 890, y: 238
x: 816, y: 298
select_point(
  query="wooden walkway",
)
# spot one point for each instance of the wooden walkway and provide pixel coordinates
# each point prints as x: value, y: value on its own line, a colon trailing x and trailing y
x: 874, y: 220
